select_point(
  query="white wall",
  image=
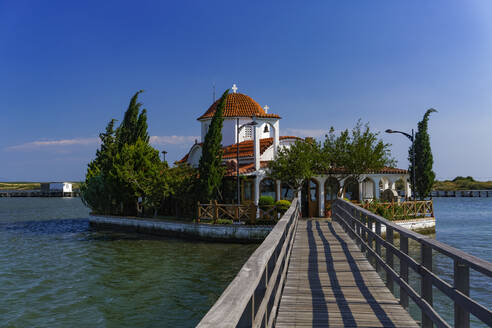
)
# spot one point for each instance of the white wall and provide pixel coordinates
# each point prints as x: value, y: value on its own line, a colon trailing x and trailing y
x: 195, y: 155
x: 61, y: 186
x: 204, y: 126
x: 229, y: 132
x: 67, y: 187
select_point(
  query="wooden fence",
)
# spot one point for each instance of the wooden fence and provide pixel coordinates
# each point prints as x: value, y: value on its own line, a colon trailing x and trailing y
x: 407, y: 209
x: 252, y: 298
x: 359, y: 224
x: 237, y: 213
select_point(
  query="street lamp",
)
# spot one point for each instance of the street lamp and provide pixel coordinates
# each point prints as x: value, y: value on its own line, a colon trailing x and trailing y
x: 412, y: 139
x: 164, y: 155
x: 253, y: 123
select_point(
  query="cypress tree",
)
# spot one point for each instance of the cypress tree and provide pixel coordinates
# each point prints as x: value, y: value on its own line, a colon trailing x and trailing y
x: 210, y: 166
x: 424, y: 176
x: 126, y: 168
x: 134, y: 124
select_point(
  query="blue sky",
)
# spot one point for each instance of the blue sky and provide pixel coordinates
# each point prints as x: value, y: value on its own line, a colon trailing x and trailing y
x: 67, y: 68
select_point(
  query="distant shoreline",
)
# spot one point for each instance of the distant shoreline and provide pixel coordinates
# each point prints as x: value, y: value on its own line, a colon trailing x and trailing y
x: 457, y: 184
x: 30, y: 186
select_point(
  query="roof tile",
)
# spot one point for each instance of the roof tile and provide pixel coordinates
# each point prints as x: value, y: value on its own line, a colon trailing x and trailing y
x: 238, y: 105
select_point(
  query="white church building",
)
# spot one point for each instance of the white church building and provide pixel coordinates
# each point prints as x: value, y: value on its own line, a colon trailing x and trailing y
x: 251, y: 134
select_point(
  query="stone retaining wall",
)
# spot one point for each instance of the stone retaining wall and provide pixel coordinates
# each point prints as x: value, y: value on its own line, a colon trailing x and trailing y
x: 216, y: 232
x: 425, y: 225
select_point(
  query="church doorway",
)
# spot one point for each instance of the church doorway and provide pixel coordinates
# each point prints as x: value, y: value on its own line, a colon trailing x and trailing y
x: 310, y: 199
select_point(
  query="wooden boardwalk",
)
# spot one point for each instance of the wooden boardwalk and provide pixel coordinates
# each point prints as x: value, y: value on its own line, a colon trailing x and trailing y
x: 330, y: 283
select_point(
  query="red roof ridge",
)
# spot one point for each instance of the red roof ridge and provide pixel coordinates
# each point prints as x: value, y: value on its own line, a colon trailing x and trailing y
x: 238, y: 105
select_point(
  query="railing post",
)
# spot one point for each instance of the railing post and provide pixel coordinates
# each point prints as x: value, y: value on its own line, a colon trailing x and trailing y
x: 404, y: 271
x: 362, y: 231
x: 198, y: 214
x: 426, y: 283
x: 378, y: 245
x: 389, y: 258
x: 252, y: 213
x: 369, y: 235
x: 461, y: 283
x: 354, y: 225
x: 215, y: 211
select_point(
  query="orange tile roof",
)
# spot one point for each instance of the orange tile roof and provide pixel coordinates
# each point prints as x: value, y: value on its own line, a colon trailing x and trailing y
x: 246, y: 148
x: 238, y: 105
x: 185, y: 157
x: 243, y: 168
x: 384, y: 170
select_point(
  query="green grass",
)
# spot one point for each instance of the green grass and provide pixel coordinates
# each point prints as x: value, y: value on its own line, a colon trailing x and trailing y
x: 462, y: 183
x: 29, y: 185
x: 20, y: 186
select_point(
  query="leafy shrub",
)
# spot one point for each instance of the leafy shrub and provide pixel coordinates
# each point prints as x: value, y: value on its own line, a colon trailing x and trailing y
x: 282, y: 206
x: 224, y: 221
x: 265, y: 201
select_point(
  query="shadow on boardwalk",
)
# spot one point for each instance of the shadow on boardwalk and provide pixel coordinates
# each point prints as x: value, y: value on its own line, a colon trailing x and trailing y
x: 331, y: 284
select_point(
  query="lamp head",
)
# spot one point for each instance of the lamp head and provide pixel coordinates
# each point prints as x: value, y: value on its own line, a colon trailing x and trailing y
x: 389, y: 131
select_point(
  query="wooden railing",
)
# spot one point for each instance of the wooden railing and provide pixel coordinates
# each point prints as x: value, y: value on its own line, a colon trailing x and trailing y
x: 214, y: 211
x: 237, y: 213
x: 403, y: 210
x: 252, y: 298
x: 359, y: 224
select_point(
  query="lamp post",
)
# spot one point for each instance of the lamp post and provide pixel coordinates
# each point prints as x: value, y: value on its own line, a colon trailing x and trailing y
x: 164, y: 155
x: 238, y: 129
x: 412, y: 139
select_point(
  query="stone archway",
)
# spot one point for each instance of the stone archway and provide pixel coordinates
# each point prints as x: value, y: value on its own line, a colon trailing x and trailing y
x: 310, y: 199
x: 368, y: 189
x: 268, y: 188
x: 351, y: 189
x: 332, y: 188
x: 286, y: 192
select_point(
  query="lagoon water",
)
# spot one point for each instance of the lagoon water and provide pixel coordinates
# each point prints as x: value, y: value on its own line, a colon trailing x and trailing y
x: 55, y: 271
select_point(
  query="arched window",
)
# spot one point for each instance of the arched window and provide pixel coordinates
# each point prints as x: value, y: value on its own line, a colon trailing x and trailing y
x: 286, y: 192
x: 351, y: 189
x: 367, y: 189
x: 267, y: 188
x: 331, y: 189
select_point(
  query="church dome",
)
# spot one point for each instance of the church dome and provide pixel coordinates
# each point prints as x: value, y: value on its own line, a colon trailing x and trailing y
x: 238, y: 105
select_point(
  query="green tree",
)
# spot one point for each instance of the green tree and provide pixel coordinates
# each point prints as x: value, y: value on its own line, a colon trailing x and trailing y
x: 295, y: 164
x: 354, y: 153
x: 139, y: 173
x: 182, y: 184
x: 126, y: 168
x: 424, y: 176
x: 134, y: 124
x: 96, y: 190
x: 210, y: 167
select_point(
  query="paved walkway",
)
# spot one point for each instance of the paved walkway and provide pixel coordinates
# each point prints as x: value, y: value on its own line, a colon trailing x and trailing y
x: 330, y: 283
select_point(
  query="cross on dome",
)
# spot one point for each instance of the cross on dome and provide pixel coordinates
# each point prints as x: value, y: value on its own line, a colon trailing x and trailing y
x: 234, y: 88
x: 266, y: 108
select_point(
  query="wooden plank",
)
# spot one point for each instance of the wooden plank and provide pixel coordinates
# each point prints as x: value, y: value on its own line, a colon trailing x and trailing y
x: 331, y: 283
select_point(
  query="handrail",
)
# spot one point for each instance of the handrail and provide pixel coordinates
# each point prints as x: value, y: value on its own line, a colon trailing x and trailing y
x: 252, y: 298
x: 365, y: 227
